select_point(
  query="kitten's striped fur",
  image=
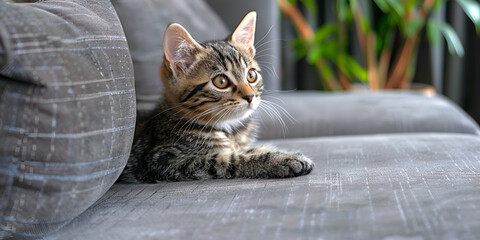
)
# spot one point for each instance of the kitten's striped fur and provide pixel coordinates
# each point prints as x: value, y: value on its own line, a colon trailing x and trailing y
x: 200, y: 130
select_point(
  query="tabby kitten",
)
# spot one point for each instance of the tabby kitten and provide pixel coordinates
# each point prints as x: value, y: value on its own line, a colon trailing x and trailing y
x: 202, y: 127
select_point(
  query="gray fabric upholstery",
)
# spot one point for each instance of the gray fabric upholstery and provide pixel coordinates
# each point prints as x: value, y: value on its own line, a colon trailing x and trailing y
x: 145, y: 21
x: 67, y: 111
x: 353, y: 113
x: 404, y: 186
x: 67, y: 115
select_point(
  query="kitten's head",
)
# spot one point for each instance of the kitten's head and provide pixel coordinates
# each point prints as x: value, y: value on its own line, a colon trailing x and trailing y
x: 216, y: 82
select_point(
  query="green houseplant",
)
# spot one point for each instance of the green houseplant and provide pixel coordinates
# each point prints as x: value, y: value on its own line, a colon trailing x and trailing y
x: 401, y: 22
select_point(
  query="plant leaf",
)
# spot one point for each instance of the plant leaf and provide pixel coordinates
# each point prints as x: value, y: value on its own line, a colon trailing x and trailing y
x: 357, y: 70
x: 437, y: 4
x: 453, y: 41
x: 385, y: 30
x: 301, y: 47
x: 314, y: 54
x: 353, y: 4
x: 324, y: 32
x: 364, y: 23
x: 409, y: 5
x: 292, y: 2
x: 330, y: 49
x: 396, y: 6
x: 311, y: 5
x: 349, y: 66
x: 472, y: 9
x: 433, y: 33
x: 342, y: 9
x: 326, y: 70
x: 383, y: 5
x: 413, y: 26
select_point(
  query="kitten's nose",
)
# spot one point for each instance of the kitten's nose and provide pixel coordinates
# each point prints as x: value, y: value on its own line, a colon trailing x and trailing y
x: 248, y: 97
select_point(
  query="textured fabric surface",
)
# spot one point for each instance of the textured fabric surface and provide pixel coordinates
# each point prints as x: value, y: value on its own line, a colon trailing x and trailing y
x: 145, y: 21
x: 353, y: 113
x: 406, y: 186
x: 67, y: 111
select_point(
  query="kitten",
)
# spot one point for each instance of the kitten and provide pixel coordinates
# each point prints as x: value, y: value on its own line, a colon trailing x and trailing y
x: 202, y: 127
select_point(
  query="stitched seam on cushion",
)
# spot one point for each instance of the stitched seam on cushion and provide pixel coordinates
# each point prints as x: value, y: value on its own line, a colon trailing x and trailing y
x: 68, y: 135
x: 43, y: 177
x: 79, y: 98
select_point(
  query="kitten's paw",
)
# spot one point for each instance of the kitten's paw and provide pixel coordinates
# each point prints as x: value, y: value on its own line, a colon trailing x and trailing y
x: 292, y: 165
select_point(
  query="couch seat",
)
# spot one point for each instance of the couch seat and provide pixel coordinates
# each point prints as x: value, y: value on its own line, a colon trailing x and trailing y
x: 389, y: 186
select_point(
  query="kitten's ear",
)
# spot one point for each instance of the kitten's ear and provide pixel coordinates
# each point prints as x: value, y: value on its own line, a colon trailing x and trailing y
x: 244, y: 35
x: 179, y: 47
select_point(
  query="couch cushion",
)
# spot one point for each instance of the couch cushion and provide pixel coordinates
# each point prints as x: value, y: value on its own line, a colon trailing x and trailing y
x: 410, y: 186
x: 145, y: 21
x: 353, y: 113
x: 67, y: 111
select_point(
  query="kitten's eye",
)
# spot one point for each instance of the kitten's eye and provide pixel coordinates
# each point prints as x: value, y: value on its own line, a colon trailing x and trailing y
x: 220, y: 82
x: 252, y: 76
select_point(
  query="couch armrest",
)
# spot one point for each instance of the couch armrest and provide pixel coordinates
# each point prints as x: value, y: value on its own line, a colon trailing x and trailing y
x: 354, y: 113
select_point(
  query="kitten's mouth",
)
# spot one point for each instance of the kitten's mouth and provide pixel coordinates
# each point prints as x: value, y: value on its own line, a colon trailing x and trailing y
x: 250, y: 108
x: 244, y: 112
x: 241, y: 112
x: 253, y: 105
x: 232, y: 115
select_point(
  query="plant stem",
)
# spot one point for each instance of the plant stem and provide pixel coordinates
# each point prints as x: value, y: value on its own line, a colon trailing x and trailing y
x: 367, y: 46
x: 305, y: 31
x: 343, y: 80
x: 342, y: 44
x: 399, y: 78
x: 398, y: 75
x: 362, y: 38
x: 372, y: 62
x: 385, y: 58
x: 329, y: 82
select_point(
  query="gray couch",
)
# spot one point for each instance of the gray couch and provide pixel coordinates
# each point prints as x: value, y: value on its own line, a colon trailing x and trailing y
x: 389, y: 165
x: 395, y: 185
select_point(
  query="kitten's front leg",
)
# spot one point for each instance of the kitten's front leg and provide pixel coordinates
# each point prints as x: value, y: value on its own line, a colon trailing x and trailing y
x: 263, y: 162
x: 258, y: 162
